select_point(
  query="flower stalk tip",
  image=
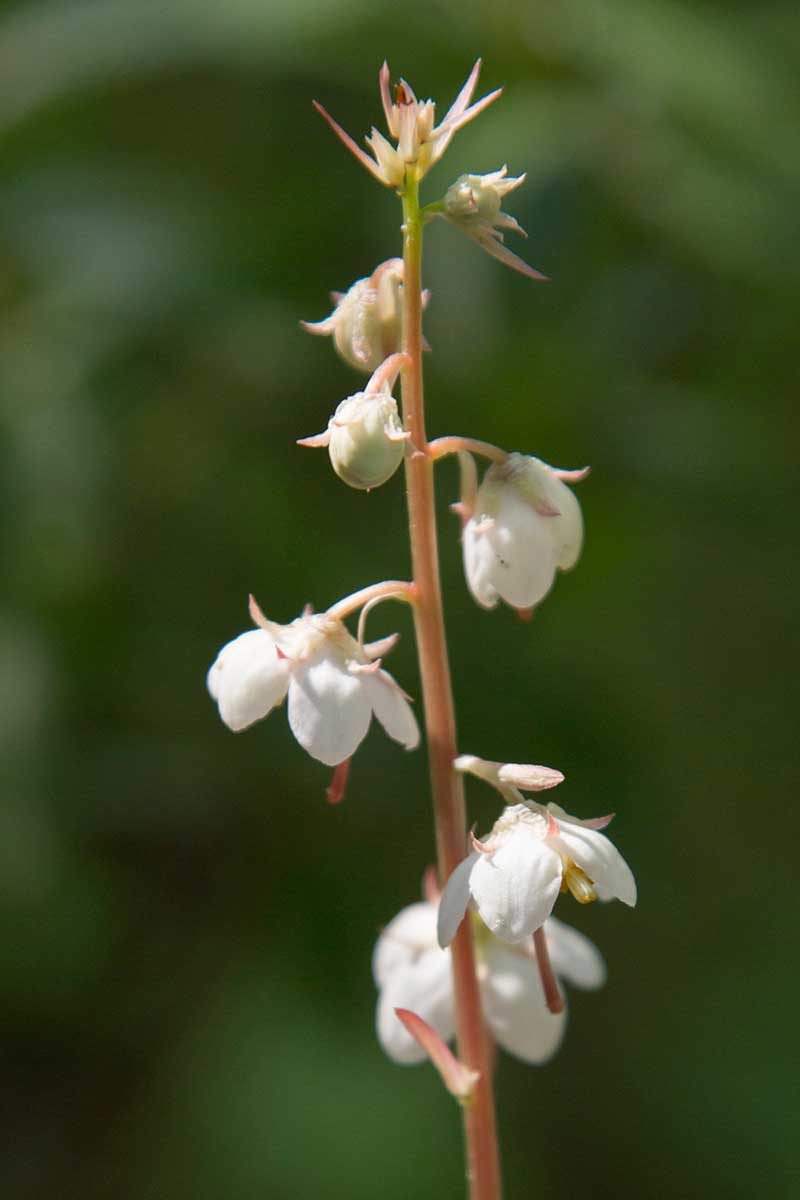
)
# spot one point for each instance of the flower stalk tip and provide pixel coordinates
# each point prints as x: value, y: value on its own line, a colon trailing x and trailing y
x: 411, y: 124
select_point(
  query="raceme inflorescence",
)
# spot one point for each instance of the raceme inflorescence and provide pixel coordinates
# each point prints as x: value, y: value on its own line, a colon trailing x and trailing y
x: 481, y: 958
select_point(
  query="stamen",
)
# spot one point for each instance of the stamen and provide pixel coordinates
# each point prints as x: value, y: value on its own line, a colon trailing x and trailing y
x: 579, y: 883
x: 552, y: 992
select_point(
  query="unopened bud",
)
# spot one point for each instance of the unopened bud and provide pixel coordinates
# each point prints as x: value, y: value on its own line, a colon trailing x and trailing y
x: 366, y: 323
x: 474, y: 205
x: 366, y: 439
x: 475, y: 198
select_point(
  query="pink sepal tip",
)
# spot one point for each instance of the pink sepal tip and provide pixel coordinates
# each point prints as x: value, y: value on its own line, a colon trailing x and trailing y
x: 576, y: 476
x: 599, y: 822
x: 458, y: 1078
x: 477, y: 844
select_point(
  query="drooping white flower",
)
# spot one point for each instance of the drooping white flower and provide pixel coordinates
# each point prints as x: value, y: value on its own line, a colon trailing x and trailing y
x: 366, y: 322
x: 333, y: 685
x: 411, y: 123
x: 523, y: 524
x: 365, y: 437
x: 533, y: 852
x: 412, y: 972
x: 474, y: 205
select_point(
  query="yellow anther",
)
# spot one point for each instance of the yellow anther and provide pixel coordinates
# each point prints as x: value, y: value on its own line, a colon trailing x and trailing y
x: 578, y: 883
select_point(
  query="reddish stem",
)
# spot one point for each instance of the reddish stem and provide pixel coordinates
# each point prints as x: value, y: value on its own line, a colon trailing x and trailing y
x: 483, y: 1168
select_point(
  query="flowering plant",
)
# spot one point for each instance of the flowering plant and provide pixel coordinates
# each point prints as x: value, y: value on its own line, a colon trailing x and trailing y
x: 496, y: 975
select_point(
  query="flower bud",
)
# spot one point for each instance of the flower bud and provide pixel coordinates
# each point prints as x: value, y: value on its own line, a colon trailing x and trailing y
x: 477, y: 197
x: 474, y: 205
x: 366, y: 322
x: 366, y: 439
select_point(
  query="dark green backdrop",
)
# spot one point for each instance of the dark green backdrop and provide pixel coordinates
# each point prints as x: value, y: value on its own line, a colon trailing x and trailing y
x: 186, y: 927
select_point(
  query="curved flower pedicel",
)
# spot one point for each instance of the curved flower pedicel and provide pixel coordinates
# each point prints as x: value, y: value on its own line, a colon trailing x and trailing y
x: 514, y: 875
x: 521, y: 525
x: 411, y: 122
x: 412, y: 972
x: 334, y: 684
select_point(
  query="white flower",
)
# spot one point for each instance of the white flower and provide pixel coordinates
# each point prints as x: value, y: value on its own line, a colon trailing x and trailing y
x: 523, y: 524
x: 411, y: 122
x: 333, y: 686
x: 412, y: 972
x: 366, y: 321
x: 516, y: 873
x: 365, y: 438
x: 474, y: 205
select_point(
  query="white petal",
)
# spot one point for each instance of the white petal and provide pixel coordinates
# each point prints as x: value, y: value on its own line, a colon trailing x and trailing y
x: 248, y: 679
x: 406, y: 936
x: 573, y: 956
x: 596, y: 855
x: 424, y: 986
x: 479, y: 564
x: 515, y: 1007
x: 516, y: 887
x: 392, y: 709
x: 329, y: 708
x: 524, y: 550
x: 455, y: 898
x: 566, y: 530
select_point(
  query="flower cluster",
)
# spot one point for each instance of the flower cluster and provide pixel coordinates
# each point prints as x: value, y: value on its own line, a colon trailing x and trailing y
x: 520, y: 525
x: 412, y: 971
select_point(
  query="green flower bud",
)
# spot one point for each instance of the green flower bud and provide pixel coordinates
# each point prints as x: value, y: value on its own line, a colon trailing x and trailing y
x: 366, y: 439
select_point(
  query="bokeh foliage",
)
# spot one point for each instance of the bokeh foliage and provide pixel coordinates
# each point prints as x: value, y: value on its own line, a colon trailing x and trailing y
x: 184, y: 970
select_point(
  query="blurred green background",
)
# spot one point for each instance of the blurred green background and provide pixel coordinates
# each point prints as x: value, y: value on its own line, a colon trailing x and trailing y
x: 186, y: 926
